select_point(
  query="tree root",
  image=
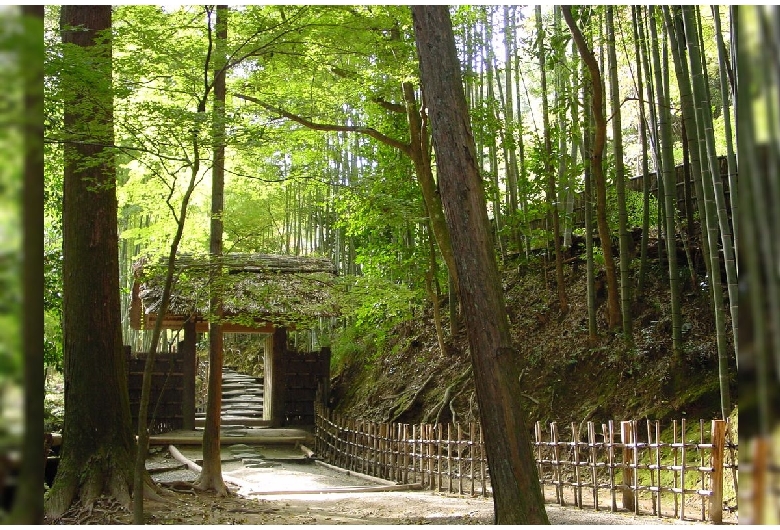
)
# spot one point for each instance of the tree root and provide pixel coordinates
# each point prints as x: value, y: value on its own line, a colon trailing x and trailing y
x: 435, y: 413
x: 410, y: 403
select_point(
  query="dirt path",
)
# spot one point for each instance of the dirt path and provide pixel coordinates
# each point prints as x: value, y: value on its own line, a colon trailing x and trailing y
x: 273, y: 477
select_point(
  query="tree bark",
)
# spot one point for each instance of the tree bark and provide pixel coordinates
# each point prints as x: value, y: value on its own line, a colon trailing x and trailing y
x: 670, y: 193
x: 597, y: 167
x: 98, y: 444
x: 516, y: 493
x: 620, y: 181
x: 211, y: 475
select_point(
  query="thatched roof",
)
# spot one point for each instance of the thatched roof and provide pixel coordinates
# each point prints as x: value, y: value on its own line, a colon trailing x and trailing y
x: 256, y: 289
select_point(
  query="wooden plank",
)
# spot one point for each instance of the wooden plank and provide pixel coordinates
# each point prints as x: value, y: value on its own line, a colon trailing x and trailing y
x: 718, y: 440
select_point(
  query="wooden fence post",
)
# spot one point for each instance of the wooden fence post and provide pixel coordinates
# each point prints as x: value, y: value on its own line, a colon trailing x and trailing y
x: 557, y: 463
x: 594, y: 478
x: 626, y: 438
x: 716, y: 479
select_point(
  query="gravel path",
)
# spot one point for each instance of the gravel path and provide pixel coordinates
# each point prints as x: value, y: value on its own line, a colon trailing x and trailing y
x: 272, y: 478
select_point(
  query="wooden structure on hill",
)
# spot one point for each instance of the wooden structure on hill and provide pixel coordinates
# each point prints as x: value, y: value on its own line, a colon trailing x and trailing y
x: 262, y: 293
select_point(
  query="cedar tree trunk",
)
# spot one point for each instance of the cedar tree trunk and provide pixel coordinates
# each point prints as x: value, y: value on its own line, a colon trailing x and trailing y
x: 98, y: 444
x: 517, y: 496
x: 211, y: 475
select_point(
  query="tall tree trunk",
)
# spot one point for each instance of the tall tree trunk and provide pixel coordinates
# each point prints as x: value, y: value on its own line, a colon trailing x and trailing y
x: 637, y: 26
x: 211, y: 474
x: 587, y: 133
x: 516, y: 494
x: 670, y: 193
x: 552, y: 198
x: 511, y: 128
x: 707, y: 135
x: 709, y: 187
x: 620, y: 181
x: 597, y: 168
x: 98, y: 444
x: 419, y: 153
x: 731, y: 158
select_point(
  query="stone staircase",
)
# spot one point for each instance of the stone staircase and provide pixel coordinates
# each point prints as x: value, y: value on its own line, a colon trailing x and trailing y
x: 242, y: 401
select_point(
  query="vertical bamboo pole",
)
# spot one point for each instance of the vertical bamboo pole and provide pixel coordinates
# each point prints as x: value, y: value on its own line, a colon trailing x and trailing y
x: 431, y: 456
x: 363, y: 447
x: 635, y: 441
x: 482, y: 462
x: 702, y: 474
x: 576, y: 446
x: 718, y: 438
x: 593, y: 469
x: 352, y: 442
x: 654, y: 494
x: 538, y: 443
x: 382, y: 448
x: 438, y: 438
x: 682, y: 470
x: 449, y: 458
x: 557, y: 463
x: 405, y: 446
x: 414, y: 453
x: 658, y: 462
x: 675, y: 463
x: 472, y: 443
x: 611, y: 445
x: 628, y: 474
x: 377, y: 458
x: 460, y: 460
x: 432, y: 452
x: 396, y: 451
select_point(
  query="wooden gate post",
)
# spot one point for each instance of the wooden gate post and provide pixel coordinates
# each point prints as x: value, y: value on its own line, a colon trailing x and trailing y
x: 627, y: 438
x: 189, y: 361
x: 716, y: 478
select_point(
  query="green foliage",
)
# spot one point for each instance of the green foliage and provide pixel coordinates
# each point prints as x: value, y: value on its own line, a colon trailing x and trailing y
x: 634, y: 208
x: 372, y: 307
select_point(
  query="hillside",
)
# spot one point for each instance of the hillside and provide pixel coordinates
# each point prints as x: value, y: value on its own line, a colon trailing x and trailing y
x: 563, y: 378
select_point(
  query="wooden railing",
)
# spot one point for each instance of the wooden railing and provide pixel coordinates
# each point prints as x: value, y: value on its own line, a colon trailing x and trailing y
x: 613, y: 466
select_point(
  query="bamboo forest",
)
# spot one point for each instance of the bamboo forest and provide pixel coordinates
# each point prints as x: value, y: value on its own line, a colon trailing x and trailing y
x: 390, y: 264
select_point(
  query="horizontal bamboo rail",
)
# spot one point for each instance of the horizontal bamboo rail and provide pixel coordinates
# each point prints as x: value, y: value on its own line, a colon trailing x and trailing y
x: 615, y: 466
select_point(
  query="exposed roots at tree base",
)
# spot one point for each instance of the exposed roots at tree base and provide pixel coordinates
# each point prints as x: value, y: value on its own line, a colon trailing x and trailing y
x: 215, y: 484
x: 103, y: 510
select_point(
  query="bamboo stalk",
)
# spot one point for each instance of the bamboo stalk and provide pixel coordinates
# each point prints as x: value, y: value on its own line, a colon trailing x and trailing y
x: 482, y: 461
x: 682, y: 471
x: 703, y: 475
x: 449, y: 458
x: 538, y: 443
x: 658, y: 461
x: 635, y: 441
x: 414, y: 453
x: 431, y: 456
x: 654, y: 494
x: 576, y: 446
x: 675, y: 450
x: 629, y: 500
x: 611, y: 446
x: 460, y: 460
x: 593, y: 469
x: 472, y: 441
x: 557, y: 463
x: 405, y: 441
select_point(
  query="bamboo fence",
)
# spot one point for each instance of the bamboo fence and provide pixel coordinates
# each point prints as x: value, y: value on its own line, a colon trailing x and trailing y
x: 615, y: 466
